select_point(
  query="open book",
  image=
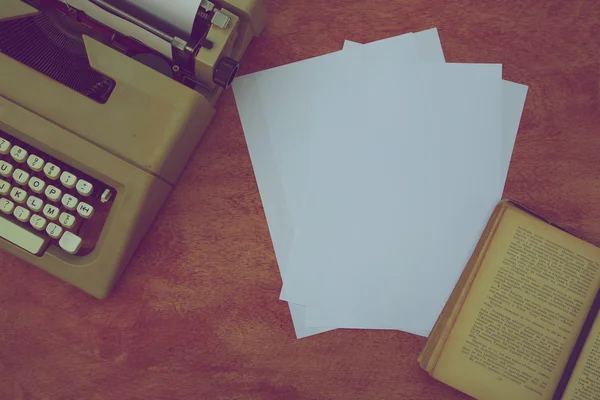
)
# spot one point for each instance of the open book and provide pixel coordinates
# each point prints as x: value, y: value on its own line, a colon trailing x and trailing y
x: 522, y: 322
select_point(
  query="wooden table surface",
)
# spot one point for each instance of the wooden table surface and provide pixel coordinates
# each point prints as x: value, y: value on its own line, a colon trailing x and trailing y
x: 197, y: 316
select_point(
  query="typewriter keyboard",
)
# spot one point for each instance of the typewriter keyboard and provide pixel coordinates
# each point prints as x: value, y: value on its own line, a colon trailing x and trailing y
x: 45, y: 201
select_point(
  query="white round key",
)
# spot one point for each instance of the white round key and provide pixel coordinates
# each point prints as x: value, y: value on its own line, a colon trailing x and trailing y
x: 37, y: 185
x: 35, y: 204
x: 85, y: 210
x: 67, y: 220
x: 51, y: 171
x: 35, y: 163
x: 22, y: 214
x: 68, y: 179
x: 38, y: 223
x: 4, y: 188
x: 53, y: 193
x: 51, y: 212
x: 19, y: 154
x: 84, y: 188
x: 4, y: 146
x: 70, y: 242
x: 18, y: 195
x: 70, y: 202
x: 5, y: 169
x: 54, y: 231
x: 6, y: 206
x: 20, y: 176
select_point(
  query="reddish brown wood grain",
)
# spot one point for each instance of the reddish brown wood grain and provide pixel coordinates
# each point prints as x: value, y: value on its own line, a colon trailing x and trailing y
x: 197, y: 316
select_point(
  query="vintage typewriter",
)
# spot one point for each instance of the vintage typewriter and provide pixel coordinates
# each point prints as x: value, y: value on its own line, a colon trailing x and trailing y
x: 101, y: 104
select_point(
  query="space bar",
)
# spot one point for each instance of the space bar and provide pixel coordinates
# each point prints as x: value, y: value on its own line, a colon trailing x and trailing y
x: 21, y: 237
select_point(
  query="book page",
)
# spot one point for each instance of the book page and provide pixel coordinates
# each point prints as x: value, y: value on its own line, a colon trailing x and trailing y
x: 585, y: 381
x: 522, y: 317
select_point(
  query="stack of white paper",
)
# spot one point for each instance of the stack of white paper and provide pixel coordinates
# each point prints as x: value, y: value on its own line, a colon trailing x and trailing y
x: 378, y: 167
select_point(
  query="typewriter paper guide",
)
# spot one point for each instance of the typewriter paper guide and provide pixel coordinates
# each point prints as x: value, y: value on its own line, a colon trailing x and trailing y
x: 16, y: 9
x: 122, y: 26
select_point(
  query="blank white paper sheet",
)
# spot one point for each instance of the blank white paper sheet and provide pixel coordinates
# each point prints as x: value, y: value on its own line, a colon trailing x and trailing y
x: 397, y: 189
x: 315, y: 166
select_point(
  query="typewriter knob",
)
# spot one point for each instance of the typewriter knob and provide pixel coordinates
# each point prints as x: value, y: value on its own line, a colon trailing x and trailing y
x: 225, y: 71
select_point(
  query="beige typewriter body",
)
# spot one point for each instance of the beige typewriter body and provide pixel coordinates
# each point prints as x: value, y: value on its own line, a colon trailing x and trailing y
x: 138, y: 142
